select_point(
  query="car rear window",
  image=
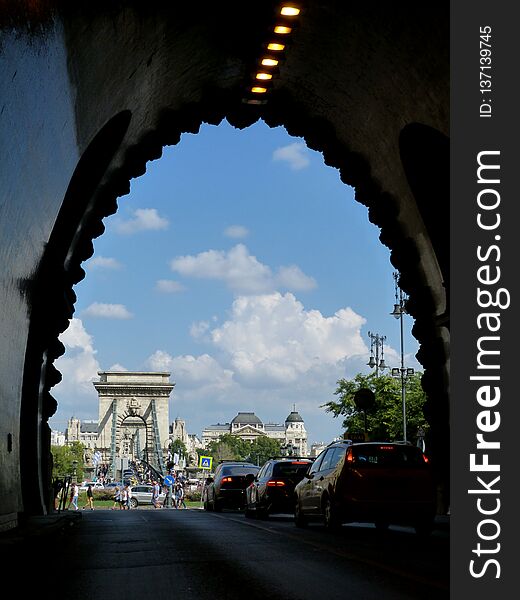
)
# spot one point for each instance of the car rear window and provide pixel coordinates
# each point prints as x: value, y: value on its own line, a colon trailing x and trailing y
x: 239, y: 470
x: 388, y: 456
x: 290, y: 469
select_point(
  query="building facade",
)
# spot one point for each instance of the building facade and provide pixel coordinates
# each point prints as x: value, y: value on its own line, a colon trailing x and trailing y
x: 248, y: 426
x: 85, y: 432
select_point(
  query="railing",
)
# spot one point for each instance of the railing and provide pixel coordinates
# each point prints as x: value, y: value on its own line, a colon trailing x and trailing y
x: 61, y: 487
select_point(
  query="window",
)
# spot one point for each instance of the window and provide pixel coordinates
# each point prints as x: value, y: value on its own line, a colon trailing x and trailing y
x: 291, y: 469
x: 317, y: 463
x: 332, y: 458
x: 388, y: 456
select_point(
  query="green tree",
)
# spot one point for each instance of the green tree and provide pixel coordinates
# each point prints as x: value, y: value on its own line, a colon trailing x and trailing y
x: 385, y: 419
x: 227, y: 447
x: 262, y: 449
x: 63, y: 458
x: 232, y: 447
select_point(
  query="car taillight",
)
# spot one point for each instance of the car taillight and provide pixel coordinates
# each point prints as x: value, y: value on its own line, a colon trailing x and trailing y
x: 387, y: 447
x: 350, y: 456
x: 425, y: 458
x: 227, y: 479
x: 275, y: 483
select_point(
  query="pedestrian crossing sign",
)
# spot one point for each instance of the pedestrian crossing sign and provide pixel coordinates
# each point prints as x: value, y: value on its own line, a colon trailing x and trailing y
x: 205, y: 462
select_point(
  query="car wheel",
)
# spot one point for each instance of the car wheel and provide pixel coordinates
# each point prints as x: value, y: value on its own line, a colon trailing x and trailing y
x: 216, y: 506
x: 330, y: 516
x: 248, y: 513
x: 299, y: 518
x: 134, y: 503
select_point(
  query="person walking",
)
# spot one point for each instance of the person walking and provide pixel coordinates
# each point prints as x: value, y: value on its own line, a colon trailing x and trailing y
x: 74, y: 494
x: 155, y: 494
x: 125, y: 500
x: 179, y: 496
x: 117, y: 498
x: 90, y: 498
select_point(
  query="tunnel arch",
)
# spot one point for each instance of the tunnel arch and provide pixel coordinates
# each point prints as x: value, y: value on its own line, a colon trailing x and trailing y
x: 103, y: 201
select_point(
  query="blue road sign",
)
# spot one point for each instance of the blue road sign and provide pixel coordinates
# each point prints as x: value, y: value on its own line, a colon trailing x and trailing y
x: 169, y: 480
x: 205, y: 462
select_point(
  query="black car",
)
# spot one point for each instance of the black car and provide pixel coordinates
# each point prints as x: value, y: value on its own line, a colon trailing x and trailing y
x: 227, y: 488
x: 272, y: 490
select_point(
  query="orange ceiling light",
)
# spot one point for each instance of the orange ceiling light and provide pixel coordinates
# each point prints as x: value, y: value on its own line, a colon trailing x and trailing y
x: 282, y: 29
x: 275, y: 46
x: 269, y: 62
x: 258, y: 89
x: 264, y: 76
x: 289, y: 11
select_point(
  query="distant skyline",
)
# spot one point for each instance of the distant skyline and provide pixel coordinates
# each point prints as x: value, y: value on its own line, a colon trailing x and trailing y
x: 241, y: 264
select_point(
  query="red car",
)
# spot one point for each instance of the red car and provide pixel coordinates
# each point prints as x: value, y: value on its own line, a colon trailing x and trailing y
x: 377, y: 482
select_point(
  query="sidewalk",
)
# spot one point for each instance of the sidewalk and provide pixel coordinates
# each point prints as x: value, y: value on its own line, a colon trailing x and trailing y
x: 39, y: 526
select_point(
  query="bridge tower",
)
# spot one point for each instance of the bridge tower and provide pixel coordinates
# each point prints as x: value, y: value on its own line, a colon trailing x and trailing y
x: 133, y: 417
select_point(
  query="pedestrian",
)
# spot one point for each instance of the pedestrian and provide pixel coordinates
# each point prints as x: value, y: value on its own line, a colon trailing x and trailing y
x: 117, y: 498
x: 129, y: 494
x: 179, y: 496
x: 90, y: 498
x: 74, y: 494
x: 124, y: 497
x: 155, y: 494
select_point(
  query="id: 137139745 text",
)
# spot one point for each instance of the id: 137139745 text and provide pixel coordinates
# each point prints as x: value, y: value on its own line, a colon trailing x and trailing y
x: 485, y: 71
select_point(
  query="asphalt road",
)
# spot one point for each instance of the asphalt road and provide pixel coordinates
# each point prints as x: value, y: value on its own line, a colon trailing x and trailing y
x: 191, y: 554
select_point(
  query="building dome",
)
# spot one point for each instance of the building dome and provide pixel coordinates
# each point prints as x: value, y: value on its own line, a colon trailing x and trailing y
x: 294, y: 417
x: 246, y: 418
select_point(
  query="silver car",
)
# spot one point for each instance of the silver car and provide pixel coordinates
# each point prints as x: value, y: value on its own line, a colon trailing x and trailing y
x: 142, y: 494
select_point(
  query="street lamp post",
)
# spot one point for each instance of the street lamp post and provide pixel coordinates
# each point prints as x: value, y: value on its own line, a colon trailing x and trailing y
x: 377, y: 341
x: 398, y: 312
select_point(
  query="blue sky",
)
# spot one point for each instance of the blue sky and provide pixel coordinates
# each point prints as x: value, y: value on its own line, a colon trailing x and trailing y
x: 241, y: 264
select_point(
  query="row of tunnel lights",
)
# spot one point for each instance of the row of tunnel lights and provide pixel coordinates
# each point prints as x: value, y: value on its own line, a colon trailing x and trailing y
x: 271, y: 59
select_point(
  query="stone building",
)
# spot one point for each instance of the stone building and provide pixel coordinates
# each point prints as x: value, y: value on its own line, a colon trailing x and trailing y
x: 178, y: 431
x: 85, y: 432
x: 249, y: 427
x: 133, y: 417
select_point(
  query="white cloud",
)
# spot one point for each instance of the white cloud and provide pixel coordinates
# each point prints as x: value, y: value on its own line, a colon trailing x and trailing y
x: 188, y: 372
x: 168, y: 286
x: 197, y: 330
x: 103, y: 262
x: 241, y: 271
x: 273, y: 339
x: 117, y: 367
x: 293, y: 278
x: 294, y: 155
x: 107, y: 311
x: 144, y: 219
x: 236, y: 232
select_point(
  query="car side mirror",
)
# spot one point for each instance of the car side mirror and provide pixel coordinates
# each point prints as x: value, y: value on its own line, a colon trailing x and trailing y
x: 250, y: 477
x: 309, y: 475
